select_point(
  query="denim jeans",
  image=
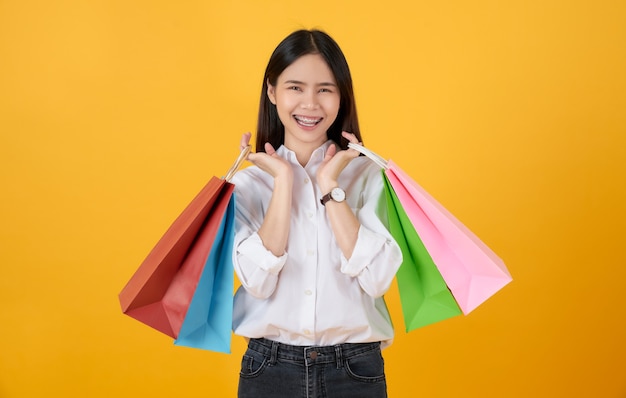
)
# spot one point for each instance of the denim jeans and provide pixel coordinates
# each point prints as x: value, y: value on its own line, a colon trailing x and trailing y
x: 273, y: 370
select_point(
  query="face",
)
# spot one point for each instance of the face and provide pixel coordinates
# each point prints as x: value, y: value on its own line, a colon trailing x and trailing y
x: 307, y: 100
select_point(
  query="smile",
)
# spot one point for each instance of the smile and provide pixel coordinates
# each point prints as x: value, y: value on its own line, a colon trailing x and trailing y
x: 307, y: 121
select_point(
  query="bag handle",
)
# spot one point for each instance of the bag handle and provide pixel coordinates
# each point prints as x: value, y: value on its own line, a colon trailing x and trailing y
x: 242, y: 156
x: 379, y: 160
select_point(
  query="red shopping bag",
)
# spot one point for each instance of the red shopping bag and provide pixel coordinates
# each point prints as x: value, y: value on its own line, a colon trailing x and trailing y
x: 160, y: 291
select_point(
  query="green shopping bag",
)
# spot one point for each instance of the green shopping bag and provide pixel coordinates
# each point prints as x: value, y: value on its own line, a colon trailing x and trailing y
x: 424, y: 295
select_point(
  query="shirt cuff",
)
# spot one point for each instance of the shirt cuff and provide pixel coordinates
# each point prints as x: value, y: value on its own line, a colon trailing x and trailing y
x: 367, y: 245
x: 255, y: 252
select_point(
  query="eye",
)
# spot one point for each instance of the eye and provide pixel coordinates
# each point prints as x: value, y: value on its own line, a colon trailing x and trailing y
x: 294, y: 88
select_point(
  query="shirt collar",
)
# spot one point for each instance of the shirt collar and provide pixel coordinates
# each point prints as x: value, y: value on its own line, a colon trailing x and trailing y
x: 316, y: 157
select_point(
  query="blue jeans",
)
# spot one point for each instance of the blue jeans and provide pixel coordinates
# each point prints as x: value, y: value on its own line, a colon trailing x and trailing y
x: 273, y: 370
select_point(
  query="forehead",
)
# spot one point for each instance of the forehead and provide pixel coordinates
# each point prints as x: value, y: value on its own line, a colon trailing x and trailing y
x: 310, y: 69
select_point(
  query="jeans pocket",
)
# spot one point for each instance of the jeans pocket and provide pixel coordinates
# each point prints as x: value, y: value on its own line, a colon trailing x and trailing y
x: 368, y: 367
x: 252, y: 364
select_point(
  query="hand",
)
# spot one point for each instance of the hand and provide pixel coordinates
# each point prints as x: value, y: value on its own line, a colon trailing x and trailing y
x: 334, y: 162
x: 268, y: 161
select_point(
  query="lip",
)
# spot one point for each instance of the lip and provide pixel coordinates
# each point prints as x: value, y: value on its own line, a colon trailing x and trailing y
x: 307, y: 122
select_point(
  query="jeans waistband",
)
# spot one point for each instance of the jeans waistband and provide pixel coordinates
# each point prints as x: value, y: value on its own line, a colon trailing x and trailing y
x: 310, y: 354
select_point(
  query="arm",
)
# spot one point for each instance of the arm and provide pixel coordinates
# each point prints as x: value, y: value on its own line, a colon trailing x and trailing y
x: 262, y: 227
x: 343, y: 222
x: 369, y: 252
x: 274, y: 231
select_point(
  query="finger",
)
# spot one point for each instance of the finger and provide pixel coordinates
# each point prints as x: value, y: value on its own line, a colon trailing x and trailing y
x: 269, y: 149
x: 349, y: 136
x: 331, y: 151
x: 245, y: 140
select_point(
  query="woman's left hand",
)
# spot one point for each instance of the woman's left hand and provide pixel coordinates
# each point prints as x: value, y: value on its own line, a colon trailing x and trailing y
x: 334, y: 162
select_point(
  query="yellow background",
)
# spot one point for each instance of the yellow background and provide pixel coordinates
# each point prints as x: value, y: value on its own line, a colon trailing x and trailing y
x: 113, y: 114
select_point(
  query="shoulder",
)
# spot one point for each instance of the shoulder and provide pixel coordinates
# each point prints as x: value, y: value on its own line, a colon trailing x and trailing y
x: 364, y: 176
x: 247, y: 174
x: 364, y: 167
x: 251, y: 178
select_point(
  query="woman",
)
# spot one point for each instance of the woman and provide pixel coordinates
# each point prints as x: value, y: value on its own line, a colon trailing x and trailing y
x: 311, y: 250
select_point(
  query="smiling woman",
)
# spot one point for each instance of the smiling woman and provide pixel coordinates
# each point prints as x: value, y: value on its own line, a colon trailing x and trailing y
x: 300, y: 248
x: 307, y: 101
x: 335, y: 77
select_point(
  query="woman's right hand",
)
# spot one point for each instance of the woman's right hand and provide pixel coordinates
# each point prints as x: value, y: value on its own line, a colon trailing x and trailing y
x: 274, y: 231
x: 268, y: 161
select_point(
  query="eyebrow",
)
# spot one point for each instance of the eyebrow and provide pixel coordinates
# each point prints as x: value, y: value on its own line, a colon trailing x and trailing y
x: 304, y: 84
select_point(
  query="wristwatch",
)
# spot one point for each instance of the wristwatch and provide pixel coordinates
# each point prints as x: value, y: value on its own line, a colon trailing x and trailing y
x: 337, y: 194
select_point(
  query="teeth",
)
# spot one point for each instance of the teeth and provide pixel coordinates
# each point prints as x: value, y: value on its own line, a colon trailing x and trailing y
x: 307, y: 121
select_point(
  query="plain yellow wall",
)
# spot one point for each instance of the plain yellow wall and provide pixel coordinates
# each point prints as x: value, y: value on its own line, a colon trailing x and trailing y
x: 113, y: 114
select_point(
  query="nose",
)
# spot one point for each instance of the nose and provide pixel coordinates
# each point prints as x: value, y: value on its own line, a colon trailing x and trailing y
x: 309, y: 101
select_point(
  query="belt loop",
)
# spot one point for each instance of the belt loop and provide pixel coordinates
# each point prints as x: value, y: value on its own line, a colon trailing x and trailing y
x: 338, y: 355
x: 274, y: 353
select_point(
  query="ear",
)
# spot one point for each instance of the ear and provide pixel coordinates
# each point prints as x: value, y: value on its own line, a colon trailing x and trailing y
x: 271, y: 92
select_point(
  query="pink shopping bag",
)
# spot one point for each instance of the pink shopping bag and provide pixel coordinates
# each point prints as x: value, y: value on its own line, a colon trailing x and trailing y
x: 472, y: 271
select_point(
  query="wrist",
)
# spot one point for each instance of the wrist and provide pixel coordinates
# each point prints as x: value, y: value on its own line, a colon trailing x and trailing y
x: 327, y: 186
x: 334, y: 195
x: 284, y: 178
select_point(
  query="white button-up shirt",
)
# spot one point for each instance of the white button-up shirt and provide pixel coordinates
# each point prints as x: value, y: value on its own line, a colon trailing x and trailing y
x: 313, y: 295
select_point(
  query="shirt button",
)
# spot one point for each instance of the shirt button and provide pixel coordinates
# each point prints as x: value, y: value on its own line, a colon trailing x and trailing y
x: 309, y: 215
x: 307, y: 331
x: 306, y: 180
x: 308, y: 292
x: 310, y: 252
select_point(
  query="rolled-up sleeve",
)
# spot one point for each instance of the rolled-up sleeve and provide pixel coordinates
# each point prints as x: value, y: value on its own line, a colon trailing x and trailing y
x: 256, y: 267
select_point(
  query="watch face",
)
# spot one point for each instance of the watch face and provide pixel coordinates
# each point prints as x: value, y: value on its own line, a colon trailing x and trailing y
x: 338, y: 194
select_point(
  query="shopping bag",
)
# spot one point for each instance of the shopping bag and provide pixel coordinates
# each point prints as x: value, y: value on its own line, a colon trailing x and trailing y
x: 471, y: 270
x: 424, y: 295
x: 208, y: 321
x: 160, y: 292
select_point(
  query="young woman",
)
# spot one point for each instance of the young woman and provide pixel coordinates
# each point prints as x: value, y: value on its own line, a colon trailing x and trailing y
x: 311, y: 250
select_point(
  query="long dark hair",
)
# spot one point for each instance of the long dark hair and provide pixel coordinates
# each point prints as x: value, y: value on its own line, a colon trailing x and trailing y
x: 299, y: 43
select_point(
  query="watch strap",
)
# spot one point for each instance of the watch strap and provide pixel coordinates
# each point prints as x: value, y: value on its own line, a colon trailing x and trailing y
x: 326, y: 198
x: 336, y: 194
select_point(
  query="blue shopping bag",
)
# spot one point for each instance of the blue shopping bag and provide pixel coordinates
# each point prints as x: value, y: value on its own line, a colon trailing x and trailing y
x: 208, y: 322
